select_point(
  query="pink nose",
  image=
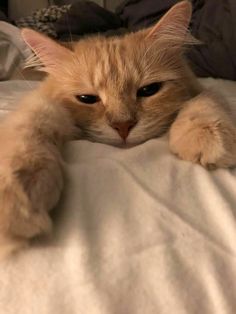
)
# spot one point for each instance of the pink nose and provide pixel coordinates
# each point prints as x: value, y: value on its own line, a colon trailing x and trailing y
x: 123, y: 128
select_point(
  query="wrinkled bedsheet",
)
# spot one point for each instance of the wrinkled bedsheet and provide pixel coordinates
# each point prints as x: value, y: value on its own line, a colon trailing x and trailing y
x: 137, y: 231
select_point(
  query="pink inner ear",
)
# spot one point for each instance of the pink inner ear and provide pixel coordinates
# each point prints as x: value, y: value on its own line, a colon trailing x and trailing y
x: 178, y: 15
x: 48, y: 51
x: 31, y: 37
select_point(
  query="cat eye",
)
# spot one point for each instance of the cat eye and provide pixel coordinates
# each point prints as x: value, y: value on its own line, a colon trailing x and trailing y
x: 149, y: 90
x: 88, y: 99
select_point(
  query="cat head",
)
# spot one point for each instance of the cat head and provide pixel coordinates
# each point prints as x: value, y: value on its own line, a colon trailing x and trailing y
x: 124, y: 89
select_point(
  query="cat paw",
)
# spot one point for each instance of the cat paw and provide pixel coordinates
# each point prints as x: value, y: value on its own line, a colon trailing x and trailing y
x: 209, y: 143
x: 19, y: 218
x: 27, y: 193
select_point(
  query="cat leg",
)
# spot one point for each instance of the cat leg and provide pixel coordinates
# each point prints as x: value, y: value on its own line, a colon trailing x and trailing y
x: 204, y: 132
x: 30, y: 186
x: 31, y: 171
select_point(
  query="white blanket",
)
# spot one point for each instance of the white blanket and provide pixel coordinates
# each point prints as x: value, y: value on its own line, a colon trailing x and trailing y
x: 137, y: 232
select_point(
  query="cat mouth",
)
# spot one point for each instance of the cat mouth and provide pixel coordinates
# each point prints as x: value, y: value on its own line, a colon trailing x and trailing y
x: 125, y: 145
x: 121, y: 144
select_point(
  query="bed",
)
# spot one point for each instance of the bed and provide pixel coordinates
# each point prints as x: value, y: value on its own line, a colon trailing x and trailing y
x: 136, y: 231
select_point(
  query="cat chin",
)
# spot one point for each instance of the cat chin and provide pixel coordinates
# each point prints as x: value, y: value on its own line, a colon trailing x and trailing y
x: 131, y: 142
x: 111, y: 142
x: 116, y: 143
x: 124, y: 145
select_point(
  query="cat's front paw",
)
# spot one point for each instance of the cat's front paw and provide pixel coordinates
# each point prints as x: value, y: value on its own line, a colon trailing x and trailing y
x: 19, y: 216
x: 28, y: 190
x: 209, y: 142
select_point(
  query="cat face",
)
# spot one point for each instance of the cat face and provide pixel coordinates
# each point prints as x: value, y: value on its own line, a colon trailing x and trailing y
x: 120, y: 90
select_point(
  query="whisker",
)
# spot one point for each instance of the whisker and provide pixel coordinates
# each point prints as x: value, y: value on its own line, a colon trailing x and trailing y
x: 24, y: 78
x: 27, y: 82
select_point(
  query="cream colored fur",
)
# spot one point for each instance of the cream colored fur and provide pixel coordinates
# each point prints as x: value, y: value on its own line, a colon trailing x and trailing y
x: 204, y: 132
x: 114, y: 69
x: 31, y: 176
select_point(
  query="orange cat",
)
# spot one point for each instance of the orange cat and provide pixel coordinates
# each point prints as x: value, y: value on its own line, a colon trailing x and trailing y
x: 117, y: 90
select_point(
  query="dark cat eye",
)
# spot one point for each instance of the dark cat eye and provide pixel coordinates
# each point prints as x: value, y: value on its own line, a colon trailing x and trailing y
x: 149, y: 90
x: 88, y: 99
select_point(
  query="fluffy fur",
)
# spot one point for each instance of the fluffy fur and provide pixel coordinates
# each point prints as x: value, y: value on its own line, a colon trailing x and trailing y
x: 114, y: 68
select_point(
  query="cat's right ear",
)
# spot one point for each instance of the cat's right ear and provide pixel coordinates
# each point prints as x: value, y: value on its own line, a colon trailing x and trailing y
x: 48, y: 53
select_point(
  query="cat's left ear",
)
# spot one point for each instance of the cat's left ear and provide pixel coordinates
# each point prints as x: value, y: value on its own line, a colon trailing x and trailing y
x: 172, y: 29
x: 48, y: 53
